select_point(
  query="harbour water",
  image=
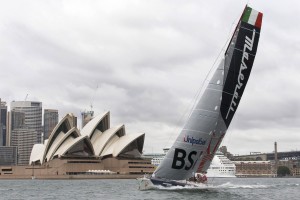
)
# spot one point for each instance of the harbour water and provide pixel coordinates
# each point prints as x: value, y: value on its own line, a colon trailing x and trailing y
x: 217, y: 188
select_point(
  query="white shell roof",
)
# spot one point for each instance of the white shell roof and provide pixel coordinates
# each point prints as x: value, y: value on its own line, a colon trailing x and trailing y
x: 90, y: 127
x: 109, y: 148
x: 103, y: 139
x: 74, y: 131
x: 124, y: 141
x: 37, y: 153
x: 67, y: 143
x: 70, y: 142
x: 55, y: 143
x: 67, y: 121
x: 117, y: 144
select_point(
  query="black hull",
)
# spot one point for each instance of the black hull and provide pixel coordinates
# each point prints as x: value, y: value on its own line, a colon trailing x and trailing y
x: 167, y: 183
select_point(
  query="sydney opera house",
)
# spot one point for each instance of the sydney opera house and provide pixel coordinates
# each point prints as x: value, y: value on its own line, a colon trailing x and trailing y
x: 98, y: 147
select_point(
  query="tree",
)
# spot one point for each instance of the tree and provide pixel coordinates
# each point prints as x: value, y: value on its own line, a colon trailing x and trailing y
x: 283, y: 171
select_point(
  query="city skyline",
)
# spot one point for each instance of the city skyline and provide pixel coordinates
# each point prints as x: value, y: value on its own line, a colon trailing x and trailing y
x: 86, y: 114
x: 145, y: 61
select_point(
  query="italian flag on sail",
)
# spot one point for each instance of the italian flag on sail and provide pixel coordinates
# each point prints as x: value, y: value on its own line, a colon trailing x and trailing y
x: 252, y: 17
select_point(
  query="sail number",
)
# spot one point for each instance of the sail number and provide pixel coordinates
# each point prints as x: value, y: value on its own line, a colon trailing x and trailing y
x: 179, y: 159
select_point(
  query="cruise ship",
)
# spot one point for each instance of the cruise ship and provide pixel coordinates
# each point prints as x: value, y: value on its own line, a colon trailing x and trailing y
x: 221, y: 166
x: 156, y: 158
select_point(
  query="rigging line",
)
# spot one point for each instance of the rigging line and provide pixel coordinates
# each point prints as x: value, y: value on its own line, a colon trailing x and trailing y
x: 226, y: 140
x: 209, y: 73
x: 206, y: 79
x: 196, y: 96
x: 200, y: 90
x: 193, y: 99
x: 177, y: 123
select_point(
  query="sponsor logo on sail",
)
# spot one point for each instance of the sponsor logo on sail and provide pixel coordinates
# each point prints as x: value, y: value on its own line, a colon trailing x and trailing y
x: 193, y: 140
x: 247, y: 49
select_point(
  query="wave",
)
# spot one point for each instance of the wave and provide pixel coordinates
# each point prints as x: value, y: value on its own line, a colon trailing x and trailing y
x: 227, y: 185
x: 236, y: 186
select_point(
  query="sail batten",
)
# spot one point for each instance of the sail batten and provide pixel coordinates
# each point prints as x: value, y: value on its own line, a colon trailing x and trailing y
x: 241, y: 50
x: 194, y: 131
x: 206, y: 127
x: 204, y: 110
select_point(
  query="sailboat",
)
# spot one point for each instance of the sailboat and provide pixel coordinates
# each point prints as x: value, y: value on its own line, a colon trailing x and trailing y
x: 197, y: 143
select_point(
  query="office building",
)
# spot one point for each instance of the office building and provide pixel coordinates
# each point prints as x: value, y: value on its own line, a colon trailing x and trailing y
x: 3, y: 115
x: 50, y: 121
x: 24, y: 139
x: 86, y: 117
x: 33, y: 115
x: 8, y: 155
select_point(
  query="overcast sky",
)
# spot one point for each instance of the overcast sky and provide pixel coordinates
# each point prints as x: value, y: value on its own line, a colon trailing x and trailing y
x: 145, y: 60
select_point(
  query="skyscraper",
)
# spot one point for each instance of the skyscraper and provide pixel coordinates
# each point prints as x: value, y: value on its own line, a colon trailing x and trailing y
x: 8, y: 156
x: 3, y: 114
x: 50, y: 121
x: 25, y: 127
x: 21, y: 137
x: 86, y: 116
x: 24, y: 139
x: 33, y: 115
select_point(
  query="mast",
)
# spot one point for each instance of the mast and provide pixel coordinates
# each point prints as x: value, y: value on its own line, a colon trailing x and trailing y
x: 235, y: 29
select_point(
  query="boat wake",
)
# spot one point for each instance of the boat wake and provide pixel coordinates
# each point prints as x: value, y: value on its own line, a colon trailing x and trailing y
x: 227, y: 185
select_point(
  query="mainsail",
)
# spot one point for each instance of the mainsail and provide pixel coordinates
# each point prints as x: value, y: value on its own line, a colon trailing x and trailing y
x: 203, y: 132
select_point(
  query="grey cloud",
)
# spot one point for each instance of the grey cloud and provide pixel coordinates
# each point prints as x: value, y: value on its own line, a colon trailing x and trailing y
x: 148, y: 59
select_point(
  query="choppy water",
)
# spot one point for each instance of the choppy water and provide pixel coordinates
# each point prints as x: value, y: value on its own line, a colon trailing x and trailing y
x: 234, y: 188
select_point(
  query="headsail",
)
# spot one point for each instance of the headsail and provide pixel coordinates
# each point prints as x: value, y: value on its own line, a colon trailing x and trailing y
x: 239, y: 58
x: 203, y: 132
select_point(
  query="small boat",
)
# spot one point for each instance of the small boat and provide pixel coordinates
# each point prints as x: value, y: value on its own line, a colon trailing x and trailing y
x: 205, y: 128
